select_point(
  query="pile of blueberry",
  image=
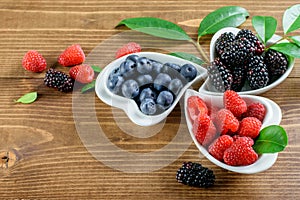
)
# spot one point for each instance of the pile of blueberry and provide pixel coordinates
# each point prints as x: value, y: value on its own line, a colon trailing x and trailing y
x: 151, y: 84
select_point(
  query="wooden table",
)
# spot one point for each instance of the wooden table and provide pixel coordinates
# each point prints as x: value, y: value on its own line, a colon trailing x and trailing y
x: 46, y: 143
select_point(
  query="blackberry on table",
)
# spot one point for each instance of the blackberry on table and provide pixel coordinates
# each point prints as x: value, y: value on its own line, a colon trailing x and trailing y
x: 257, y: 73
x: 194, y: 174
x: 224, y: 42
x: 276, y: 62
x: 58, y: 80
x: 219, y: 75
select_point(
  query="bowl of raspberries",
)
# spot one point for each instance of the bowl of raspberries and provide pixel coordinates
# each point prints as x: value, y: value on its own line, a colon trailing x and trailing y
x: 242, y: 63
x: 225, y: 128
x: 146, y: 85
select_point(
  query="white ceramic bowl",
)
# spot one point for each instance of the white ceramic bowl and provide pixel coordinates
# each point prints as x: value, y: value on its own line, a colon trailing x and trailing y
x: 273, y: 116
x: 129, y: 105
x: 209, y: 89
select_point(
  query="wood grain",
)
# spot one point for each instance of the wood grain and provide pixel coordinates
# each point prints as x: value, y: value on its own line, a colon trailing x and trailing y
x: 52, y: 162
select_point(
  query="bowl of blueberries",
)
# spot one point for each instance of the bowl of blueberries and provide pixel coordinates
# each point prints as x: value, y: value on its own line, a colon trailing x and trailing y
x: 146, y: 85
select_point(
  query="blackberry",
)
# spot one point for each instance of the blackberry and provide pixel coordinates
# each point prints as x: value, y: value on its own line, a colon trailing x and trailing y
x: 276, y: 62
x: 219, y: 75
x: 194, y: 174
x: 257, y: 73
x: 249, y: 35
x: 239, y: 77
x: 224, y: 42
x: 58, y: 80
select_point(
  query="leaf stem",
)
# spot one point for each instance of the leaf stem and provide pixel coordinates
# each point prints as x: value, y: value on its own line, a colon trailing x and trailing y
x: 199, y: 48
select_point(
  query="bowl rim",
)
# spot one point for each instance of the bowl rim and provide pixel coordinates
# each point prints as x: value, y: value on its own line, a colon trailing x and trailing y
x: 265, y: 161
x: 204, y: 88
x: 128, y: 105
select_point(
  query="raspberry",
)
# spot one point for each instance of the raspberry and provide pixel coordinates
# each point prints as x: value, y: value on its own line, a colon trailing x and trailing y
x: 194, y: 174
x: 250, y: 127
x: 196, y: 106
x: 257, y: 110
x: 73, y: 55
x: 128, y: 48
x: 204, y: 130
x: 218, y: 147
x: 234, y: 103
x: 58, y: 80
x: 82, y: 73
x: 34, y: 61
x: 240, y: 153
x: 219, y: 75
x: 226, y: 122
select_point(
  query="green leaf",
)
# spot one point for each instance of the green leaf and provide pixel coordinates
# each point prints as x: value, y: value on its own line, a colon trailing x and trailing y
x: 27, y: 98
x: 228, y: 16
x: 265, y: 27
x: 291, y: 19
x: 187, y: 56
x: 88, y: 86
x: 96, y: 68
x: 156, y: 27
x: 287, y: 48
x: 271, y: 139
x: 296, y: 40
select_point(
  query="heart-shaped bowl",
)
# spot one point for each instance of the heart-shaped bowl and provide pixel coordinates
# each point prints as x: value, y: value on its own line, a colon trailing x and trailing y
x: 272, y: 117
x: 209, y: 89
x: 129, y: 106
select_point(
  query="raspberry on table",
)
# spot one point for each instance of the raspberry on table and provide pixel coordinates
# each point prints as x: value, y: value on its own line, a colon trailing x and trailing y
x: 240, y: 153
x: 226, y: 122
x: 83, y: 73
x: 72, y: 55
x: 257, y: 110
x: 194, y: 174
x: 250, y: 127
x: 218, y: 147
x: 34, y: 61
x: 234, y: 103
x: 131, y: 47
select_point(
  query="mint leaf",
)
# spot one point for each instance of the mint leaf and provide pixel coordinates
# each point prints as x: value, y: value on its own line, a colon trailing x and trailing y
x: 27, y: 98
x: 187, y: 56
x: 287, y: 48
x: 265, y: 27
x: 88, y: 86
x: 96, y: 68
x: 271, y: 139
x: 156, y: 27
x: 296, y: 40
x: 228, y: 16
x: 291, y: 19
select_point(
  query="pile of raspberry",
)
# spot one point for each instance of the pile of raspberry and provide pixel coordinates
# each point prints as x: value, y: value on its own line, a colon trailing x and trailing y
x: 228, y: 133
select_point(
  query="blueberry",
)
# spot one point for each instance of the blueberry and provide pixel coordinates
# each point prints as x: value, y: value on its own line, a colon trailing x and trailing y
x: 114, y: 83
x: 144, y: 65
x: 188, y: 71
x: 175, y: 86
x: 147, y: 93
x: 165, y: 99
x: 148, y: 106
x: 127, y: 67
x: 169, y: 67
x: 144, y: 79
x: 156, y: 67
x: 162, y: 80
x: 133, y: 57
x: 130, y: 89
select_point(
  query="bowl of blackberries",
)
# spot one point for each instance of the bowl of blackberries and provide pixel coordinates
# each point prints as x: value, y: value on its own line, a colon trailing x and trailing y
x: 146, y: 85
x: 241, y: 62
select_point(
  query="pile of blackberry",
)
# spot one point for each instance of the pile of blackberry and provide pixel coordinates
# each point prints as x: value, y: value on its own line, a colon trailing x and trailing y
x: 242, y: 59
x: 194, y: 174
